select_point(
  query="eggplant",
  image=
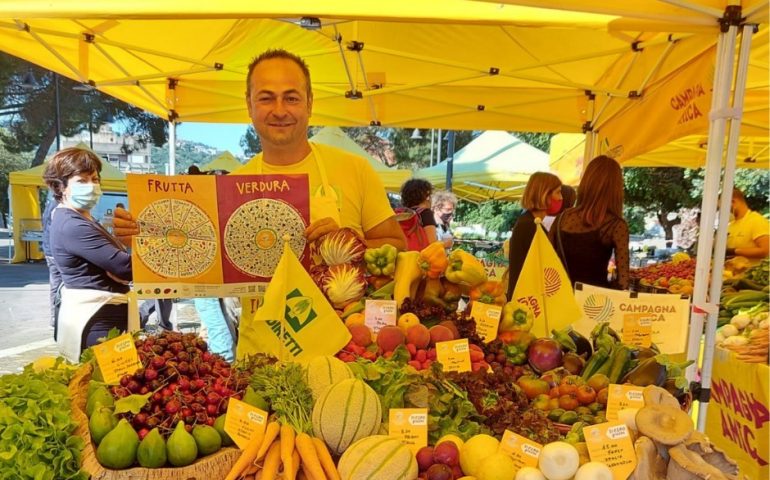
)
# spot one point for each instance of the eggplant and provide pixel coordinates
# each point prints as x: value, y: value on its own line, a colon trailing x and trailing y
x: 582, y: 343
x: 642, y: 353
x: 647, y: 372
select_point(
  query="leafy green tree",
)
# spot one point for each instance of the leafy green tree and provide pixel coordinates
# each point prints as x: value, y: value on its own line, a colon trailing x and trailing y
x: 250, y: 142
x: 634, y: 216
x: 496, y: 216
x: 9, y: 162
x: 29, y: 111
x: 755, y: 185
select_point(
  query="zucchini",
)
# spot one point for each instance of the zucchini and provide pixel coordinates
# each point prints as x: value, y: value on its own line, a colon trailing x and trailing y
x: 745, y: 296
x: 749, y: 284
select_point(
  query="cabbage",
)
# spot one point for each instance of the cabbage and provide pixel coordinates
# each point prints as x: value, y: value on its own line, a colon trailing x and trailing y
x: 340, y: 246
x: 343, y: 284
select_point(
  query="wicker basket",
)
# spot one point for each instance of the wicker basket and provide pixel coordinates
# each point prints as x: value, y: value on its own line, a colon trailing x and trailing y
x: 212, y: 467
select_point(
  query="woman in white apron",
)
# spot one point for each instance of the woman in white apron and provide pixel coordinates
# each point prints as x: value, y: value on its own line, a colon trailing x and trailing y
x: 95, y: 266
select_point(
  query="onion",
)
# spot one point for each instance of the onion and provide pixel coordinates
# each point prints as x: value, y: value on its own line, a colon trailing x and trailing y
x: 544, y: 354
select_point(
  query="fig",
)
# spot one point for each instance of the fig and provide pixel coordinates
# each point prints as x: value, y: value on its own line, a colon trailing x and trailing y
x: 101, y: 423
x: 207, y: 439
x: 152, y: 450
x: 181, y: 448
x: 117, y: 449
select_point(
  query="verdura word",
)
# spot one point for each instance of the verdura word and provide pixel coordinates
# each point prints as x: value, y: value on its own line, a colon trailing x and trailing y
x: 262, y: 186
x: 630, y: 307
x: 164, y: 186
x: 288, y: 341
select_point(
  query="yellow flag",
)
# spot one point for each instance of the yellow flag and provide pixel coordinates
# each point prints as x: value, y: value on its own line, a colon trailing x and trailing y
x: 544, y: 289
x: 295, y: 322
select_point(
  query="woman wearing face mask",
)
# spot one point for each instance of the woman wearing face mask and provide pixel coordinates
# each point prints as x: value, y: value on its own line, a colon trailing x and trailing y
x: 95, y: 266
x: 541, y: 197
x: 587, y: 236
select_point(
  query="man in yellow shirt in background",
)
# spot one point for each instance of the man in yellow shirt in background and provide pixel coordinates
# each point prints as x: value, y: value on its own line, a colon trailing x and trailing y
x: 748, y: 234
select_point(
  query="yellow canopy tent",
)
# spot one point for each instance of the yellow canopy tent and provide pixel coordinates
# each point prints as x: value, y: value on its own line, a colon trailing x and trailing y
x: 24, y: 190
x: 225, y: 161
x: 392, y: 178
x: 495, y: 165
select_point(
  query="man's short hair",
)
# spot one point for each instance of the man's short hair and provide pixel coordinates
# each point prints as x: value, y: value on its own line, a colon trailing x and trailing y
x: 282, y: 54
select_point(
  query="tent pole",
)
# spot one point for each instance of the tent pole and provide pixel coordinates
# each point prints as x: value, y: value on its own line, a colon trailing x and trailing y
x: 172, y: 147
x: 450, y: 159
x: 724, y: 207
x: 716, y: 138
x: 588, y: 129
x: 432, y: 144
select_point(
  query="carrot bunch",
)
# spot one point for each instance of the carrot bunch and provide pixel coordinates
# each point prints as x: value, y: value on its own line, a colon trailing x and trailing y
x: 282, y: 453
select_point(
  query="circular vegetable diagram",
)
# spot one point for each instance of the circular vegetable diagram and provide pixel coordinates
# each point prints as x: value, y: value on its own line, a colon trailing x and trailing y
x: 253, y: 239
x: 177, y: 239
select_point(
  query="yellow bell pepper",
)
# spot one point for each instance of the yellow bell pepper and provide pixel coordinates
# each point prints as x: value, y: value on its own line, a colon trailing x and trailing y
x: 491, y: 292
x: 433, y: 260
x: 407, y: 277
x: 516, y: 317
x: 465, y: 269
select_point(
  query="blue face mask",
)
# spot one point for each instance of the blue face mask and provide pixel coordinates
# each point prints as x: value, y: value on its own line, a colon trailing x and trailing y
x: 85, y: 196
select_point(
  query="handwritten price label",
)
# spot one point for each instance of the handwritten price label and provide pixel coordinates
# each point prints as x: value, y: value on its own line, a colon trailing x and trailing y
x: 487, y: 318
x: 637, y: 329
x: 610, y: 443
x: 410, y: 425
x: 454, y: 355
x: 117, y: 357
x: 523, y: 451
x: 244, y: 421
x: 379, y: 313
x: 623, y: 396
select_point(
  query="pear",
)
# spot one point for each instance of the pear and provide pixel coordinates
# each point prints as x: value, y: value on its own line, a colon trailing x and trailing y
x: 207, y: 439
x: 219, y: 426
x: 181, y: 448
x: 152, y: 450
x: 101, y: 423
x: 99, y: 395
x: 117, y: 449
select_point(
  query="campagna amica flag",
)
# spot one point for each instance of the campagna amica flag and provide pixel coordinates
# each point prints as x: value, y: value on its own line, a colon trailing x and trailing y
x: 544, y: 290
x: 295, y: 322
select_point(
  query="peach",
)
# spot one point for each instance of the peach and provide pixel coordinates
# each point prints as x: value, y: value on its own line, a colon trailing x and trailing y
x: 440, y: 333
x: 452, y: 328
x: 361, y: 334
x: 419, y: 335
x: 390, y: 337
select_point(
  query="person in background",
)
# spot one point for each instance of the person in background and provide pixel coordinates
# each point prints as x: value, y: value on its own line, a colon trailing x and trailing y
x: 415, y: 195
x: 748, y: 233
x: 586, y: 237
x: 444, y: 204
x: 120, y: 205
x: 541, y: 197
x: 568, y: 196
x: 95, y: 267
x: 54, y: 276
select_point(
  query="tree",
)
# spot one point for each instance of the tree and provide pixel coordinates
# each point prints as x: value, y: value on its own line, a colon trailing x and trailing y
x: 29, y: 113
x: 250, y: 142
x: 662, y: 191
x: 755, y: 185
x: 9, y: 162
x: 496, y: 216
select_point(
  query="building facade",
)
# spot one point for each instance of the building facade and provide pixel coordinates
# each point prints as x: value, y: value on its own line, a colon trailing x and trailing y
x: 112, y: 147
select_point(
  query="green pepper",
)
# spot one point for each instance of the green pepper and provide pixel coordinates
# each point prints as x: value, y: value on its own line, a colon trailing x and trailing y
x: 381, y: 260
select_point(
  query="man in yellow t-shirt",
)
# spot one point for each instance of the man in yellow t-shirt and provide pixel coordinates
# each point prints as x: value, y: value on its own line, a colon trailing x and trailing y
x: 748, y: 235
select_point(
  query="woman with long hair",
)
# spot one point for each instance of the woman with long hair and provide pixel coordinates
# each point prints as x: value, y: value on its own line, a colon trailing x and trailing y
x: 542, y: 196
x: 94, y: 265
x: 586, y: 237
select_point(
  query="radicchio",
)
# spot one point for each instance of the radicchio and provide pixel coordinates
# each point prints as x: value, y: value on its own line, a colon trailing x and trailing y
x: 340, y: 246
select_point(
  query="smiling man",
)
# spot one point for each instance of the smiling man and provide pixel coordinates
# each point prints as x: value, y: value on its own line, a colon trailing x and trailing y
x: 344, y: 189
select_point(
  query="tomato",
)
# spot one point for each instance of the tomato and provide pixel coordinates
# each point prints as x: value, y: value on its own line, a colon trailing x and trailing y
x: 601, y: 397
x: 586, y: 394
x: 568, y: 402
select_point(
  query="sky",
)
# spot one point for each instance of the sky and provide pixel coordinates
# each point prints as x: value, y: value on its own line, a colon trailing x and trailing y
x: 223, y: 136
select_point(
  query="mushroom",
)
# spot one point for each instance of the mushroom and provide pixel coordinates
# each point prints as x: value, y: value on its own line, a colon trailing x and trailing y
x: 701, y: 444
x: 688, y: 465
x: 654, y: 395
x: 650, y: 465
x: 666, y: 425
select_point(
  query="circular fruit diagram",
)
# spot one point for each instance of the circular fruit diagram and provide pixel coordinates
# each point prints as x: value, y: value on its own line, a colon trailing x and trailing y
x: 253, y: 239
x: 177, y: 239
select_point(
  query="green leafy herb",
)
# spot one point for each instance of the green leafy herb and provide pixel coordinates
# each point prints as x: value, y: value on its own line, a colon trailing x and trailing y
x: 283, y: 385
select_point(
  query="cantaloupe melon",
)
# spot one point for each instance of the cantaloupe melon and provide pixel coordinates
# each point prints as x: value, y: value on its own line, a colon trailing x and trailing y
x: 324, y: 371
x: 378, y: 457
x: 345, y: 412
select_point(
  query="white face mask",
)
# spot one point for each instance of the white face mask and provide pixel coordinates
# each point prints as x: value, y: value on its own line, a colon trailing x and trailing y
x: 85, y: 196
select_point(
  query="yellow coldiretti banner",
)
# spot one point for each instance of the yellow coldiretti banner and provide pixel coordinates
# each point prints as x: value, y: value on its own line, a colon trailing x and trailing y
x: 738, y: 416
x: 544, y: 289
x: 675, y: 106
x: 295, y: 322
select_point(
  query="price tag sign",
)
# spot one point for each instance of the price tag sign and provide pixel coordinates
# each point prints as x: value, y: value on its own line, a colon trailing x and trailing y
x: 379, y: 313
x: 637, y: 329
x: 610, y: 443
x: 454, y: 355
x: 244, y: 421
x: 117, y: 357
x: 410, y: 425
x: 523, y: 451
x: 623, y: 396
x: 487, y: 318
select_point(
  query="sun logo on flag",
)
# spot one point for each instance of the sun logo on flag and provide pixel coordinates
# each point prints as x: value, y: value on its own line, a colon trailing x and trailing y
x: 552, y: 281
x: 598, y: 307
